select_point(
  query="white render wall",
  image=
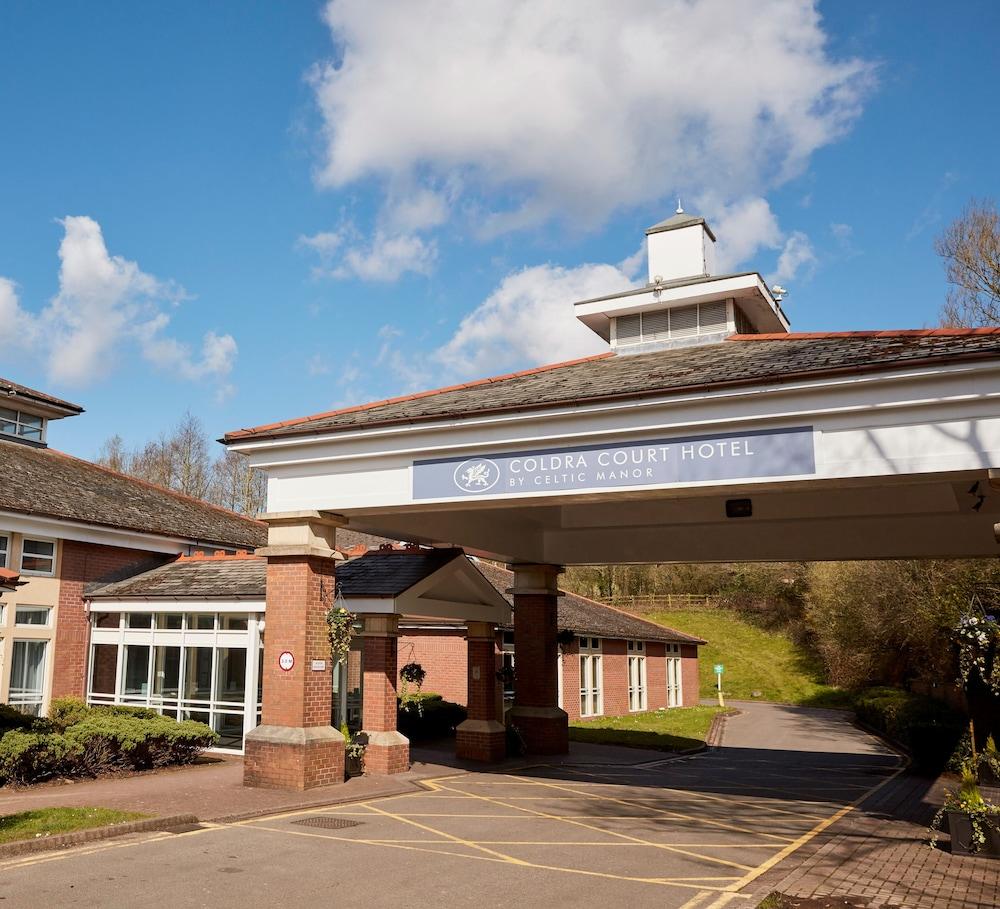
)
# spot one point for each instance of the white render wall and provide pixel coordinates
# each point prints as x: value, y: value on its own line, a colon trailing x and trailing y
x: 925, y: 429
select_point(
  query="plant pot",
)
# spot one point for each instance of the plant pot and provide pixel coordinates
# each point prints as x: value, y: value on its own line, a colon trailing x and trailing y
x: 354, y: 765
x: 960, y: 828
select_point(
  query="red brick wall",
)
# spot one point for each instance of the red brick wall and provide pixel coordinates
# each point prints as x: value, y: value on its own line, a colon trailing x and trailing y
x: 535, y: 631
x: 656, y: 675
x: 298, y: 591
x: 381, y: 676
x: 442, y: 654
x: 689, y: 675
x: 79, y: 565
x: 571, y: 680
x: 615, y: 663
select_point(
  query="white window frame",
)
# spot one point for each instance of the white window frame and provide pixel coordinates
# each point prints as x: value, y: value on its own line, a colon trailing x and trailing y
x: 47, y: 610
x: 591, y: 665
x: 184, y: 638
x: 4, y: 548
x: 638, y: 700
x: 675, y: 677
x: 20, y: 424
x: 55, y: 554
x: 24, y: 699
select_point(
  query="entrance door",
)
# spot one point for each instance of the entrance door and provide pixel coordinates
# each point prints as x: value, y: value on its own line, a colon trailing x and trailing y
x: 348, y: 677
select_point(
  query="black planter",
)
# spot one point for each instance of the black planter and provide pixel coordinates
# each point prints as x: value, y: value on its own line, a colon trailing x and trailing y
x: 960, y: 828
x: 354, y: 765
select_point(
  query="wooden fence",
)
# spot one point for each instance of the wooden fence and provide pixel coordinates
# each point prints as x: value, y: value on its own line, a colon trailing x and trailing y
x: 651, y: 602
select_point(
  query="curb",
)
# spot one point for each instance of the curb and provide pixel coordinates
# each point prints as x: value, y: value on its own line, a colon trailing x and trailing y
x: 95, y: 834
x: 718, y: 728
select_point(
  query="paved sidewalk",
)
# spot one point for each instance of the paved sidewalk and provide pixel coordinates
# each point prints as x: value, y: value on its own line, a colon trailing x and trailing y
x: 214, y: 790
x: 210, y: 791
x: 878, y: 855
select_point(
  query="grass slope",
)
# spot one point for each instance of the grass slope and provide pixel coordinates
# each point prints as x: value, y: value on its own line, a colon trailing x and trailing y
x: 755, y: 660
x: 665, y: 730
x: 27, y: 825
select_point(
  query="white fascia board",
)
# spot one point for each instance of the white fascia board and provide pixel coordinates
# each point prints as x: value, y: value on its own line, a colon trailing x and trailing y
x: 91, y: 533
x: 177, y: 604
x: 741, y: 406
x: 597, y: 314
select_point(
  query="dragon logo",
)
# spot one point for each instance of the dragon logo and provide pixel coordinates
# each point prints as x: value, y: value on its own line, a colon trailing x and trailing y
x: 477, y: 475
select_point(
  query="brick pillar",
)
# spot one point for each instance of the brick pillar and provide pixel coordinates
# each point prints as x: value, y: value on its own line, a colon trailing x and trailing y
x: 388, y: 750
x: 295, y: 747
x: 481, y: 737
x: 543, y: 725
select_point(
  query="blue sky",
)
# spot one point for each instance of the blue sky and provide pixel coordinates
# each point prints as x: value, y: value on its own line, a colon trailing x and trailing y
x: 260, y: 211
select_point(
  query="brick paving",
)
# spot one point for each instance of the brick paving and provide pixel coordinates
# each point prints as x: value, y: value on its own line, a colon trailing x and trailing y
x: 878, y: 855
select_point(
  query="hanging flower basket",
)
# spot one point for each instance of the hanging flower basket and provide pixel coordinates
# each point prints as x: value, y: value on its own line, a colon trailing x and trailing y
x: 339, y: 632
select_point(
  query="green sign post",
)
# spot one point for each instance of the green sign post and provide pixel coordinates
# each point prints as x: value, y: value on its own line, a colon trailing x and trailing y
x: 719, y: 669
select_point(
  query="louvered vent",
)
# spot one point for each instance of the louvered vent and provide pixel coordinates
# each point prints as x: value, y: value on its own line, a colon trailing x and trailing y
x: 656, y: 325
x: 712, y: 316
x: 684, y: 322
x: 629, y: 329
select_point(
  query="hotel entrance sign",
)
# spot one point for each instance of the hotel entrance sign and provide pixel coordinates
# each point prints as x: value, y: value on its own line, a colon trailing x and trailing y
x: 652, y: 462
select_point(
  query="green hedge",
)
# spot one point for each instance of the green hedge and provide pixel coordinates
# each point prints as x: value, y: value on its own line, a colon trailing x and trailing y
x: 78, y: 741
x: 926, y: 728
x: 437, y: 719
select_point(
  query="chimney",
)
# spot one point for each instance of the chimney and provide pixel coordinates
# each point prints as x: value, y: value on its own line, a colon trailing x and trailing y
x: 681, y: 247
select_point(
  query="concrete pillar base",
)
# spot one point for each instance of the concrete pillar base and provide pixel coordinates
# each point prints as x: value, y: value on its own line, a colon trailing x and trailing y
x: 293, y: 757
x: 545, y: 730
x: 387, y: 753
x: 481, y: 740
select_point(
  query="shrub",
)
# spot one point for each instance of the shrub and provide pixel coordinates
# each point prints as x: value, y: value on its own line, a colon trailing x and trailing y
x: 29, y: 757
x: 139, y: 743
x: 926, y: 728
x: 436, y: 719
x: 13, y: 719
x: 66, y: 712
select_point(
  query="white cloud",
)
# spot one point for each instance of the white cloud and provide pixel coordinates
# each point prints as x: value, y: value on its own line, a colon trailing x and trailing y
x: 571, y: 111
x: 529, y: 319
x: 387, y: 258
x: 796, y: 257
x: 104, y: 304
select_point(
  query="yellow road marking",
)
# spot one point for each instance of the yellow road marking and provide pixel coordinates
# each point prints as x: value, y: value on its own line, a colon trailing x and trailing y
x: 679, y: 815
x: 819, y: 828
x: 635, y: 839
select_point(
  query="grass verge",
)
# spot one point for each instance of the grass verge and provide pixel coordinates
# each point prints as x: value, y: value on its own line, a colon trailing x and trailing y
x: 28, y: 825
x: 677, y: 729
x: 756, y: 660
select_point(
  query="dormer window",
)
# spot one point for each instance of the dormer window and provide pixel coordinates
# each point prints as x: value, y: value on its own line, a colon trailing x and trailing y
x: 22, y: 425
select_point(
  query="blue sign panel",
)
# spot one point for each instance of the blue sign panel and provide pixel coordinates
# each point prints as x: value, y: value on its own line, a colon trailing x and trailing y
x: 654, y: 462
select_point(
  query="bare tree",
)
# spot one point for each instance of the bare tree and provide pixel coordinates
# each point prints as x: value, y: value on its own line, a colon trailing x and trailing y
x: 237, y: 486
x: 970, y: 247
x: 182, y: 460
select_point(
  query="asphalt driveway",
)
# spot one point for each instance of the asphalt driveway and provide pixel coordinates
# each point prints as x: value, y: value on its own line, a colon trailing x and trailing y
x: 670, y: 833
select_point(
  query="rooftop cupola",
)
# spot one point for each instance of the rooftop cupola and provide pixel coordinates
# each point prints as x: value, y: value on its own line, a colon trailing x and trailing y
x: 683, y: 246
x: 685, y: 302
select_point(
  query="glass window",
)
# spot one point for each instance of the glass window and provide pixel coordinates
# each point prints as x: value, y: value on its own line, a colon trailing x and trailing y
x: 4, y: 548
x: 103, y: 669
x: 138, y: 620
x: 166, y: 672
x: 18, y: 423
x: 107, y: 619
x: 27, y: 676
x: 136, y: 669
x: 169, y: 621
x: 230, y: 729
x: 231, y: 674
x: 201, y: 621
x: 32, y: 615
x: 198, y: 674
x: 636, y: 683
x: 591, y: 678
x: 232, y: 622
x: 38, y: 556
